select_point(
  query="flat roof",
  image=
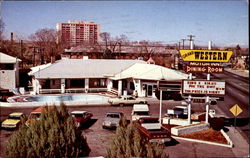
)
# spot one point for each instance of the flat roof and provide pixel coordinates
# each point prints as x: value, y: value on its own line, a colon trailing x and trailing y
x: 84, y: 68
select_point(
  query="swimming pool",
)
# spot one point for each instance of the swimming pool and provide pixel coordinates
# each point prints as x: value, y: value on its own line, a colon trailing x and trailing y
x: 67, y: 99
x: 62, y: 98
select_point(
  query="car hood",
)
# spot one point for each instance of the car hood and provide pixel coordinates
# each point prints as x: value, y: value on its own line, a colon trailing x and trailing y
x: 10, y: 122
x: 115, y: 120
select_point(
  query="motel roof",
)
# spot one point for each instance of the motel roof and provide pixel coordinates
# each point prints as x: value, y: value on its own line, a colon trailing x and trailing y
x: 150, y: 72
x: 84, y: 68
x: 4, y: 58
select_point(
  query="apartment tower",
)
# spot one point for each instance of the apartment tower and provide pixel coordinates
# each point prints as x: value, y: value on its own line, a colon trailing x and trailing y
x: 78, y: 32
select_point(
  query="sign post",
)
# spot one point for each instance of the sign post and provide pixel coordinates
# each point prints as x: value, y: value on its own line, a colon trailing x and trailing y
x: 235, y: 110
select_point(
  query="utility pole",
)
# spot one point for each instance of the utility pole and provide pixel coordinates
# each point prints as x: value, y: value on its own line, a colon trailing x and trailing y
x: 183, y: 40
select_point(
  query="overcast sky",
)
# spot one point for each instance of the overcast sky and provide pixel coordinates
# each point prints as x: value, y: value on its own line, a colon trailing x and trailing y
x: 223, y: 22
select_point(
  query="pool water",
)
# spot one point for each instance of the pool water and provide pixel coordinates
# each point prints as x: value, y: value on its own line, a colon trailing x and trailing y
x: 75, y: 97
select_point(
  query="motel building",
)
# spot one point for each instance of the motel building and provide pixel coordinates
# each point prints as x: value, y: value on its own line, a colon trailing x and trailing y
x: 120, y: 77
x: 9, y: 71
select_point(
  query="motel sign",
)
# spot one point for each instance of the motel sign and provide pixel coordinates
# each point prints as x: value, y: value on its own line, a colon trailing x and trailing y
x: 205, y: 55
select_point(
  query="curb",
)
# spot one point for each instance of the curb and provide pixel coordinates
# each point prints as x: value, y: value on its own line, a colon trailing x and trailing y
x: 202, y: 141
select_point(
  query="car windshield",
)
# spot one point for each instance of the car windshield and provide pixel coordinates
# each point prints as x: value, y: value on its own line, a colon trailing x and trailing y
x: 77, y: 115
x: 34, y: 116
x: 113, y: 115
x: 141, y: 113
x: 15, y: 117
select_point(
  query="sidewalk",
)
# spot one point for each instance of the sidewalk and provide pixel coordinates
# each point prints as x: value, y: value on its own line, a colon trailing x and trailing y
x: 241, y: 147
x: 243, y: 73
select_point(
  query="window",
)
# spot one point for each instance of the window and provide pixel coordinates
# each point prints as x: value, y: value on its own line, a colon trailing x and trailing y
x: 6, y: 66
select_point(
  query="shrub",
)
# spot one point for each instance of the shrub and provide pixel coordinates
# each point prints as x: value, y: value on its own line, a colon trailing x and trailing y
x: 54, y: 135
x: 128, y: 142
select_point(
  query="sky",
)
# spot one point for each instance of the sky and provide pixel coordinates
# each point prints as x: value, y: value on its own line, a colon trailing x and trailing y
x: 225, y: 23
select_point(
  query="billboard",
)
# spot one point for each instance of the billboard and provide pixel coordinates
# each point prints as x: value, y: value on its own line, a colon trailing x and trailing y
x: 205, y: 55
x: 206, y: 87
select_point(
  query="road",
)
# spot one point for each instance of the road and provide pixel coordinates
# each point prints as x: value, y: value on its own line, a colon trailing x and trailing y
x: 237, y: 92
x: 98, y: 138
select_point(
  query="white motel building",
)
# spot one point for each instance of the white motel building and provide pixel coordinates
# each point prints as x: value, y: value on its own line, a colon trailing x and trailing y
x: 101, y: 75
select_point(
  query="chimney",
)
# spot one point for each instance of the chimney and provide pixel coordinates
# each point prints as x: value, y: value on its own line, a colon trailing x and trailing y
x: 12, y: 37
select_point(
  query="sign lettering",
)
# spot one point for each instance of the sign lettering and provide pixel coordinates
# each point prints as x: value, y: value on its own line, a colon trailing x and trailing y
x: 203, y: 87
x: 206, y: 55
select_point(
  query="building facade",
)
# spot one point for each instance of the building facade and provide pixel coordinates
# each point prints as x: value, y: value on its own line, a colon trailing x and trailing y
x: 9, y: 71
x: 78, y: 32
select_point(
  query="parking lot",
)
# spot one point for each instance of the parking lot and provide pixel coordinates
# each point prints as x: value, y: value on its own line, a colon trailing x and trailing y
x: 99, y: 138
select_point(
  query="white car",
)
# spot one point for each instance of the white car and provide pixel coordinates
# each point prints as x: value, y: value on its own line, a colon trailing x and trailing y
x: 112, y: 119
x: 140, y: 110
x: 126, y: 100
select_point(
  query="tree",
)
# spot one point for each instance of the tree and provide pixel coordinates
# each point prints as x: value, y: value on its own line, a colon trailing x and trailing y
x: 128, y: 142
x: 45, y: 40
x: 54, y: 135
x: 105, y: 36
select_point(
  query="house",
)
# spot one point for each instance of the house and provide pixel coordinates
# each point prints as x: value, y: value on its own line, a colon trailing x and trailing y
x: 9, y: 71
x: 95, y: 75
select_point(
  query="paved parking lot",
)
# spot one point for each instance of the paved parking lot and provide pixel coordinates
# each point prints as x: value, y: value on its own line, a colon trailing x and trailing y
x: 98, y: 138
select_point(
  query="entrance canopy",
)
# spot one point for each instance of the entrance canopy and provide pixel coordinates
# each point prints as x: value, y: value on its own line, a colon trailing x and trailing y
x: 150, y: 72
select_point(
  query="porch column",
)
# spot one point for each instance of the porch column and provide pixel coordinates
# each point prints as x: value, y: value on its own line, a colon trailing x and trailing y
x: 138, y: 87
x: 119, y: 87
x: 63, y: 85
x: 109, y: 84
x: 86, y: 85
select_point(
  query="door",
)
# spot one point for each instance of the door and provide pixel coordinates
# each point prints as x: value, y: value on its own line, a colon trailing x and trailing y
x: 150, y: 90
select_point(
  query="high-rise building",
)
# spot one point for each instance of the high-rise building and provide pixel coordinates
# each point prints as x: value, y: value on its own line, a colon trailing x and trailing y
x: 78, y: 32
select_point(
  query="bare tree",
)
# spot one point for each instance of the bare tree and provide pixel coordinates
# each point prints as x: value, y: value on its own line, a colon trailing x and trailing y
x: 46, y: 42
x: 105, y: 36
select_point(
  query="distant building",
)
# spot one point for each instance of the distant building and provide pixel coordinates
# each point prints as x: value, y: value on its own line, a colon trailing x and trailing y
x: 9, y: 71
x: 78, y: 32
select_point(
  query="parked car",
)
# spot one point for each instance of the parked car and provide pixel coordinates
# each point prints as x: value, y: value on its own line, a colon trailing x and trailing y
x: 35, y: 115
x: 153, y: 130
x: 80, y: 117
x: 140, y: 110
x: 178, y: 111
x: 112, y: 119
x: 126, y: 100
x: 13, y: 121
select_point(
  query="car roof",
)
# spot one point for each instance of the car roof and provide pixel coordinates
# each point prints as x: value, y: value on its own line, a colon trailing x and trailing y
x: 78, y: 112
x: 140, y: 107
x: 40, y: 109
x: 16, y: 114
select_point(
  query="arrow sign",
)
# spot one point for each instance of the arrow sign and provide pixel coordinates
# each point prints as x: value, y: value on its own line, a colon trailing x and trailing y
x: 205, y: 55
x: 236, y: 110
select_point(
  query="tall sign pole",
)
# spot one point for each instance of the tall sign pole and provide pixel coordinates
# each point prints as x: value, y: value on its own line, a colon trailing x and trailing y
x: 207, y: 97
x: 160, y: 106
x: 189, y: 97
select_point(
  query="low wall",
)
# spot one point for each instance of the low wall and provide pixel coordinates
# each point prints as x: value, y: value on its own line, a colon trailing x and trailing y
x: 178, y: 130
